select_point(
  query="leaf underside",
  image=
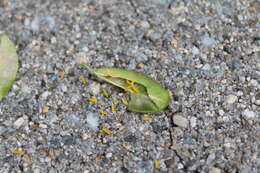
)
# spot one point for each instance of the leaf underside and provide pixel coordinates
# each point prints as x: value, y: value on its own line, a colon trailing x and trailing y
x: 8, y: 64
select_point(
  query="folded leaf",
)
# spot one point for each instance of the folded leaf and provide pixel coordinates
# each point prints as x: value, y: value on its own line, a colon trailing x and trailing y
x: 147, y: 95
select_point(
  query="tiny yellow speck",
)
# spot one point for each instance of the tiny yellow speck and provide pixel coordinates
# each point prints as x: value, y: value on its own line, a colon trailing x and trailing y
x: 147, y: 118
x: 124, y: 101
x: 18, y: 151
x: 113, y: 110
x: 102, y: 112
x: 156, y: 164
x: 106, y: 131
x: 92, y: 100
x: 105, y: 92
x: 83, y: 80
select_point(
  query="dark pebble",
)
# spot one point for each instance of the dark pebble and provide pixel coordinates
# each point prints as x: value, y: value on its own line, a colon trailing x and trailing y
x: 234, y: 64
x: 69, y: 140
x: 130, y: 138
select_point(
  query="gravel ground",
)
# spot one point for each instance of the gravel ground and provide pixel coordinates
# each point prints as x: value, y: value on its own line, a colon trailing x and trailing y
x: 206, y: 54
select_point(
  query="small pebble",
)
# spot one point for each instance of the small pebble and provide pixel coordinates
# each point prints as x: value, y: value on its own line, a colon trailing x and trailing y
x: 19, y: 122
x: 249, y: 114
x: 69, y: 140
x: 36, y: 170
x: 178, y: 57
x: 254, y: 82
x: 193, y: 121
x: 92, y: 121
x: 231, y: 99
x: 3, y: 129
x: 221, y: 112
x: 214, y: 170
x: 155, y: 36
x: 208, y: 41
x: 74, y: 117
x: 43, y: 126
x: 55, y: 140
x: 206, y: 67
x: 145, y: 24
x: 109, y: 155
x: 234, y: 64
x: 95, y: 88
x: 180, y: 121
x: 240, y: 93
x: 63, y: 88
x: 45, y: 95
x: 195, y: 50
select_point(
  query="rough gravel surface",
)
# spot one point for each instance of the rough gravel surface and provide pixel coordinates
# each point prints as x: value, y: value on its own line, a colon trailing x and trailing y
x: 206, y: 53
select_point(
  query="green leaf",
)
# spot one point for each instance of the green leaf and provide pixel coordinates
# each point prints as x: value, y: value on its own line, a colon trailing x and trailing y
x: 147, y: 95
x: 8, y: 64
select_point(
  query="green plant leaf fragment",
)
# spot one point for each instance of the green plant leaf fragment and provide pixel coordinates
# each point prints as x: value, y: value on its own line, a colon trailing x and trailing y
x: 8, y: 64
x: 147, y: 95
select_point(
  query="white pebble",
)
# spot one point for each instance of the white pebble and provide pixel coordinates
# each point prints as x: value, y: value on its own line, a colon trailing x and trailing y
x: 19, y: 122
x: 109, y: 155
x: 36, y: 170
x: 85, y: 136
x: 53, y: 40
x: 221, y: 112
x: 249, y: 114
x: 95, y: 88
x: 45, y: 95
x: 254, y: 82
x: 43, y: 126
x: 92, y: 121
x: 195, y: 50
x: 193, y: 121
x: 231, y: 99
x: 240, y: 93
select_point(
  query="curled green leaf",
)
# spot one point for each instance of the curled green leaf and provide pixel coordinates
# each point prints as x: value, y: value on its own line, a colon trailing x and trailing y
x: 8, y: 64
x: 147, y: 95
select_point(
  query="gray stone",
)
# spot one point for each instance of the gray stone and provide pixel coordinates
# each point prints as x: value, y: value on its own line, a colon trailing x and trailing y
x: 3, y: 129
x: 208, y: 41
x: 181, y: 121
x: 145, y: 24
x: 69, y: 140
x: 234, y: 64
x: 206, y: 67
x: 195, y: 50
